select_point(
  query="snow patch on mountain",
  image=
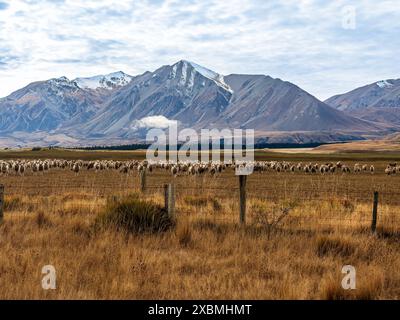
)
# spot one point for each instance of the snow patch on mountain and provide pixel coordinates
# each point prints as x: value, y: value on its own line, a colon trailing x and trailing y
x: 384, y: 84
x: 62, y: 82
x: 59, y: 86
x: 174, y: 68
x: 109, y: 81
x: 184, y: 74
x: 216, y: 77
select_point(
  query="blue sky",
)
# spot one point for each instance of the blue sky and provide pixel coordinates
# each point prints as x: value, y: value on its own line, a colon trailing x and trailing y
x: 325, y: 47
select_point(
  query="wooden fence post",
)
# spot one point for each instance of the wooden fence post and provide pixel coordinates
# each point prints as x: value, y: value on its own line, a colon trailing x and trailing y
x: 169, y: 199
x: 166, y: 196
x: 1, y: 202
x: 242, y: 197
x: 374, y: 212
x: 143, y: 180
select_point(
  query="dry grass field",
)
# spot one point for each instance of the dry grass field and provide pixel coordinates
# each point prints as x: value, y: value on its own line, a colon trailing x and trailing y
x: 49, y: 219
x: 361, y: 146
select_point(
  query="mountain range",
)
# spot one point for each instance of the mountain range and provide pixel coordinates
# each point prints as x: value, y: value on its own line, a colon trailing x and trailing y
x: 377, y: 102
x: 119, y: 108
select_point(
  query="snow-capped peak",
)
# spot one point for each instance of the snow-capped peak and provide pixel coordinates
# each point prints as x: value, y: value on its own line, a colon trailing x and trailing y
x: 109, y: 81
x: 204, y: 71
x: 384, y: 84
x: 60, y: 80
x: 214, y: 76
x: 62, y: 83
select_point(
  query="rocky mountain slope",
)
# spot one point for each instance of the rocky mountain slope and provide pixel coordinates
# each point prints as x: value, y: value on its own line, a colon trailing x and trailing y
x: 117, y: 107
x: 376, y: 102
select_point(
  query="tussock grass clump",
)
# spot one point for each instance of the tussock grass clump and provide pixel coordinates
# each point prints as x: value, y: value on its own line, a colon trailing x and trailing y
x: 216, y: 205
x: 367, y: 288
x: 208, y: 225
x: 12, y: 203
x: 331, y: 289
x: 184, y: 234
x: 386, y: 233
x: 196, y: 201
x: 202, y: 201
x: 133, y: 215
x: 348, y: 206
x: 334, y: 246
x: 42, y: 220
x: 337, y: 205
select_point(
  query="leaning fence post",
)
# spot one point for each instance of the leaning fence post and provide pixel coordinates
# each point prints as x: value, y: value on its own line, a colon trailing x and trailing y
x: 1, y: 202
x: 242, y: 197
x: 143, y: 180
x: 374, y: 212
x: 169, y: 199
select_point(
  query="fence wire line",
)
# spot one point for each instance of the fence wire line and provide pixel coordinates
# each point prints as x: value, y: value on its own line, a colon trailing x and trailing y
x: 296, y: 219
x: 367, y: 195
x: 253, y: 192
x: 202, y: 187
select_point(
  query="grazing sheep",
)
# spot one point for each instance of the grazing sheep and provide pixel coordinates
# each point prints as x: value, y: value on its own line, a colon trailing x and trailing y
x: 192, y: 170
x: 212, y: 171
x: 174, y: 171
x: 5, y: 168
x: 21, y: 167
x: 390, y: 170
x: 21, y: 170
x: 314, y: 169
x: 76, y: 168
x: 124, y: 169
x: 345, y: 169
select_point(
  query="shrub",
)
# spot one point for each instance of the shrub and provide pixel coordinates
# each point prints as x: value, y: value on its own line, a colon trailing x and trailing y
x: 270, y: 218
x: 133, y: 215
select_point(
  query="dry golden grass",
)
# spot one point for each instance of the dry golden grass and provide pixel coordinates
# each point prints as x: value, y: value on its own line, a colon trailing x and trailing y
x: 384, y: 145
x: 49, y: 220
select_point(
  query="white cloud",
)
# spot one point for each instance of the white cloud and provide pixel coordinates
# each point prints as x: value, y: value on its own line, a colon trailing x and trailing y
x: 158, y: 122
x: 299, y: 41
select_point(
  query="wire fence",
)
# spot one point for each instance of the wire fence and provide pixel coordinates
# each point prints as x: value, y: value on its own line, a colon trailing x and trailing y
x: 218, y: 198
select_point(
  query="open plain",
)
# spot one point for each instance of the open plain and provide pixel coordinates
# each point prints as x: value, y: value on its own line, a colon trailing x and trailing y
x: 301, y: 229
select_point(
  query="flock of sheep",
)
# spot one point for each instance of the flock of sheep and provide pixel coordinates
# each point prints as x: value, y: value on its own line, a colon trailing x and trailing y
x: 392, y: 169
x: 20, y: 167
